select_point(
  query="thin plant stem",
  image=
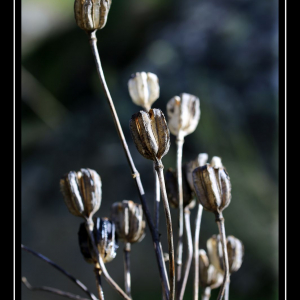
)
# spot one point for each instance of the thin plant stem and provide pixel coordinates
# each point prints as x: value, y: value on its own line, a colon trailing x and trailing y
x: 159, y: 170
x: 72, y: 278
x: 135, y: 174
x: 157, y: 199
x: 189, y: 259
x: 127, y: 277
x: 221, y: 226
x: 179, y: 143
x: 206, y: 293
x: 99, y: 283
x: 51, y: 290
x: 196, y: 251
x: 89, y: 228
x: 226, y: 297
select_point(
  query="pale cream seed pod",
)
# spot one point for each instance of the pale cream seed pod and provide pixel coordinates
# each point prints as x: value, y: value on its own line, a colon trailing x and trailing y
x: 91, y: 15
x: 183, y: 114
x: 82, y: 192
x: 212, y: 188
x: 215, y: 252
x: 150, y: 134
x: 129, y: 220
x: 144, y: 89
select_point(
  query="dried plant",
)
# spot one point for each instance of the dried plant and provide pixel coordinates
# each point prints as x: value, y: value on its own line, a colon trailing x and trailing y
x: 208, y: 183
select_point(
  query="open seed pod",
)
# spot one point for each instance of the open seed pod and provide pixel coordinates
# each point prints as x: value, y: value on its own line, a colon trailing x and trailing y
x: 129, y: 220
x: 209, y: 276
x: 192, y: 165
x: 144, y: 89
x: 105, y: 239
x: 150, y: 133
x: 212, y: 188
x: 91, y: 15
x: 82, y: 192
x: 183, y: 114
x: 172, y: 189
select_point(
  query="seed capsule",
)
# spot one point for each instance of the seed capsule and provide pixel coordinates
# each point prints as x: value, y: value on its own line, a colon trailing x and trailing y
x: 129, y: 220
x: 212, y: 187
x: 172, y: 189
x: 150, y: 133
x: 192, y: 165
x: 235, y: 250
x: 91, y: 15
x: 208, y: 274
x: 82, y: 192
x: 144, y: 89
x: 215, y: 253
x: 105, y: 239
x: 183, y: 114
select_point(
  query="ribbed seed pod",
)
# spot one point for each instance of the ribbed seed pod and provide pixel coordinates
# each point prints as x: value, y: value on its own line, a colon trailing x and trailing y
x: 105, y: 239
x: 82, y: 192
x: 215, y: 253
x: 235, y: 250
x: 212, y: 187
x: 172, y: 189
x: 150, y: 133
x: 208, y: 274
x: 144, y: 89
x: 91, y: 15
x: 192, y: 165
x: 129, y: 220
x: 183, y: 114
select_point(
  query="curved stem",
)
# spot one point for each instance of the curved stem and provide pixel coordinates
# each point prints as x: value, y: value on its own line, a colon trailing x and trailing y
x: 159, y: 169
x: 134, y: 172
x: 196, y: 251
x: 101, y: 263
x: 127, y: 277
x: 99, y: 283
x: 60, y: 269
x: 221, y: 226
x: 188, y: 263
x: 206, y: 293
x: 179, y: 143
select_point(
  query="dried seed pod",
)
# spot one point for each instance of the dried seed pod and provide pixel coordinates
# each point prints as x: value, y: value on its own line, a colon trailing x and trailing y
x: 150, y: 133
x: 129, y: 220
x: 208, y: 274
x: 212, y: 187
x: 215, y: 253
x: 192, y: 165
x: 172, y: 189
x: 235, y: 250
x: 105, y: 239
x: 91, y: 15
x: 144, y: 89
x: 183, y: 114
x: 82, y: 192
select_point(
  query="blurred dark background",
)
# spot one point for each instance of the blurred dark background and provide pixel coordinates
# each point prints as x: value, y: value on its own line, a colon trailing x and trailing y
x: 225, y: 52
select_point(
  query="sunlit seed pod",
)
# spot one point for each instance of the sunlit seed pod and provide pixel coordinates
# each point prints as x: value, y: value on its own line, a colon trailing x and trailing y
x: 105, y: 239
x: 192, y: 165
x: 212, y: 188
x: 129, y: 220
x: 144, y: 89
x: 82, y: 192
x: 209, y: 276
x: 215, y: 252
x: 91, y: 15
x: 172, y: 189
x: 150, y: 133
x: 183, y: 114
x: 235, y: 250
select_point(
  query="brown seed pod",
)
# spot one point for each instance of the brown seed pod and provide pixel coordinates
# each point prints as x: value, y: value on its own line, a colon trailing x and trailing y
x: 144, y: 89
x: 129, y: 220
x: 172, y: 189
x: 212, y: 187
x: 235, y: 249
x: 91, y: 15
x: 215, y: 253
x: 183, y: 114
x: 209, y: 276
x: 105, y: 239
x: 150, y: 133
x: 82, y: 192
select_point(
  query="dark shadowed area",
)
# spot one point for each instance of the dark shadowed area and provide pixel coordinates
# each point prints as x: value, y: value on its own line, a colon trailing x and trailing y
x: 225, y: 53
